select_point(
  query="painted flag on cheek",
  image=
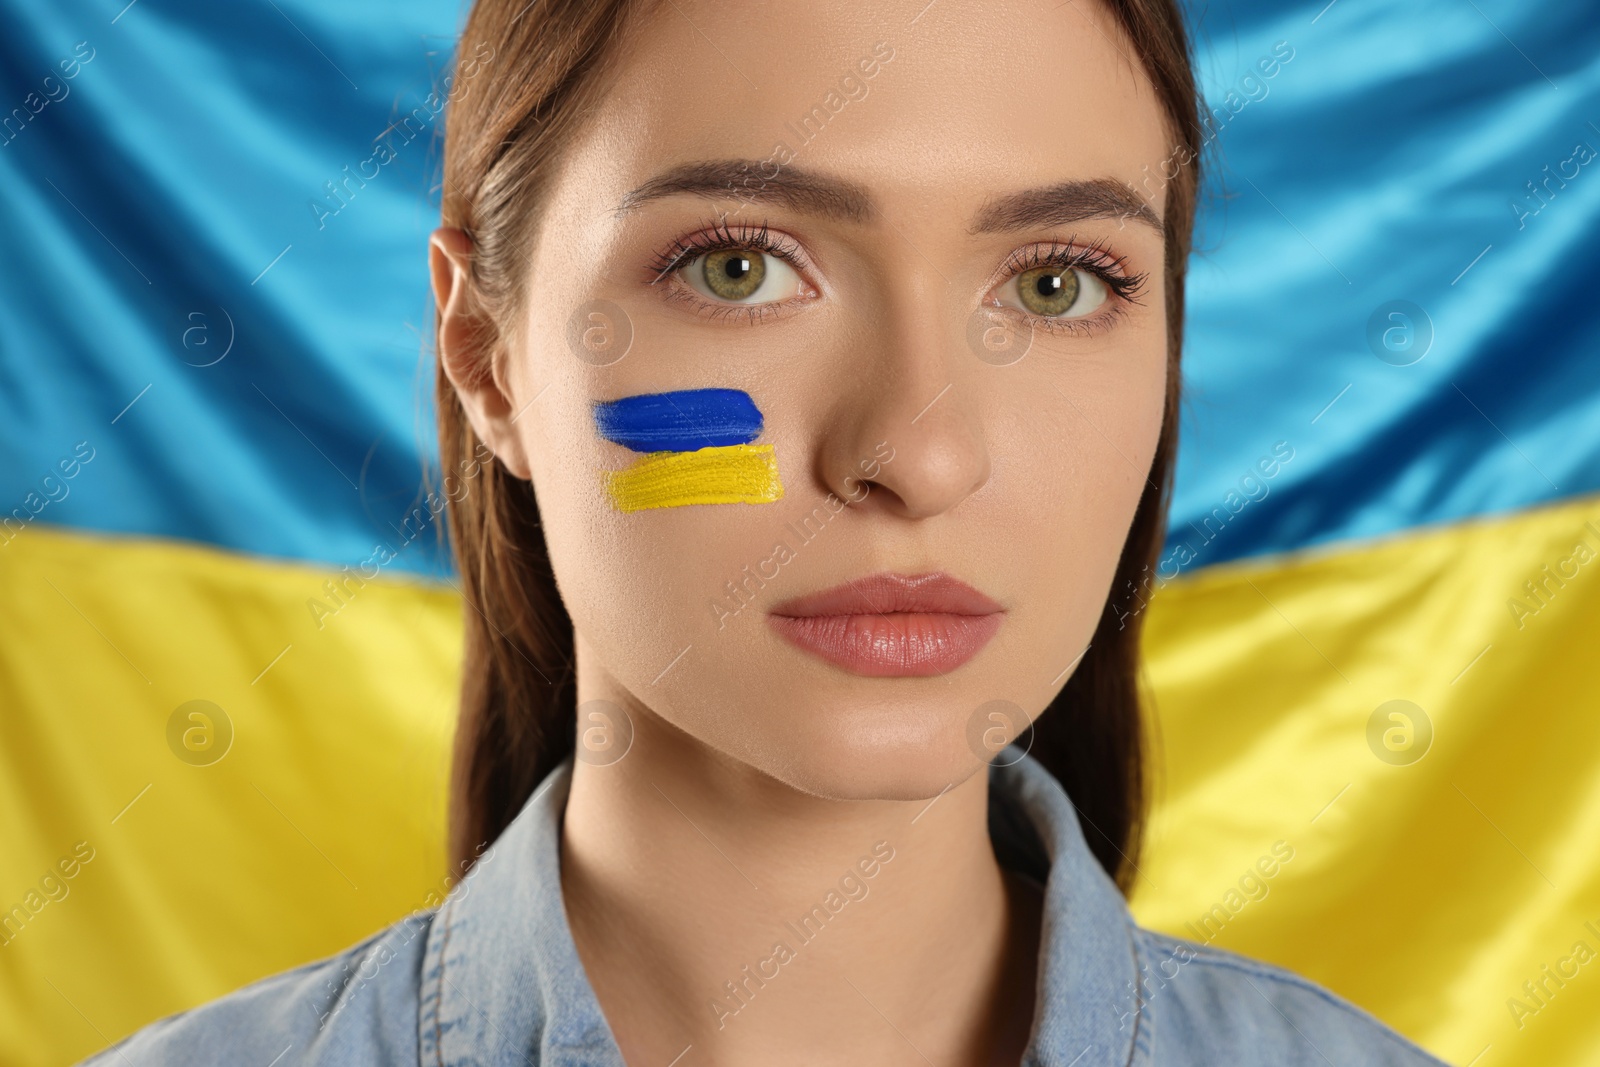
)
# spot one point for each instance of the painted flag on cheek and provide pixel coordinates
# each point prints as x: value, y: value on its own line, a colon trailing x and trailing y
x: 697, y: 449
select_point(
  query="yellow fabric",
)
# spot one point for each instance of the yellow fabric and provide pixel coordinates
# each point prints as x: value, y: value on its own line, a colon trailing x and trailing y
x: 1429, y: 892
x: 323, y: 821
x: 1426, y: 892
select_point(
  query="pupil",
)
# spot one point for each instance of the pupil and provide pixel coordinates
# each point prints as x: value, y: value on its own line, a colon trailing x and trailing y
x: 1049, y: 285
x: 736, y: 268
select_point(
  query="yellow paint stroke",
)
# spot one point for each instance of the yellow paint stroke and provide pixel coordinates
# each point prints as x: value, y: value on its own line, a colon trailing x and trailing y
x: 724, y: 474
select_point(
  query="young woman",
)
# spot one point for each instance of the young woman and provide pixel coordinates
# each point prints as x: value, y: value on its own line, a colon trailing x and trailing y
x: 812, y: 370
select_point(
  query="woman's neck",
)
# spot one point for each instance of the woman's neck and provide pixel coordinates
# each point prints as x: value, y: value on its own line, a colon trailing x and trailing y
x: 719, y: 911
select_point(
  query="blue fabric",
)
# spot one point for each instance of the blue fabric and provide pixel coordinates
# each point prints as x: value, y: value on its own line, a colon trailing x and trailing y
x: 175, y: 199
x: 1376, y: 166
x: 141, y: 214
x: 492, y: 975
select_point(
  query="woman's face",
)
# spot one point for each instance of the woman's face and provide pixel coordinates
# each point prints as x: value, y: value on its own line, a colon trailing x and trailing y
x: 938, y: 283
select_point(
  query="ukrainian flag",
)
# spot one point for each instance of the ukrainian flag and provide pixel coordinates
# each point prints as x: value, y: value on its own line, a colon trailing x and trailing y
x: 228, y: 639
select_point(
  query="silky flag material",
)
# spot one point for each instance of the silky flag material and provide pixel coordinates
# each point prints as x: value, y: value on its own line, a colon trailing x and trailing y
x: 230, y: 643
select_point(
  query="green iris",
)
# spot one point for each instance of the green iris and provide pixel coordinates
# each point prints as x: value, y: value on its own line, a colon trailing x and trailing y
x: 1048, y: 290
x: 735, y: 273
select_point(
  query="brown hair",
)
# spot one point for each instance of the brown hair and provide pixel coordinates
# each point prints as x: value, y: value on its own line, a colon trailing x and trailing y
x: 538, y: 69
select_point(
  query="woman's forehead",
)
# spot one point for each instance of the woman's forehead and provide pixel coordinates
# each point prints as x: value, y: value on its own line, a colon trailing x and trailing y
x: 907, y: 100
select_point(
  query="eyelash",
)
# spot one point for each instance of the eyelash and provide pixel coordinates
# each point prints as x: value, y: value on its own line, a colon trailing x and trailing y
x: 716, y: 236
x: 1095, y: 259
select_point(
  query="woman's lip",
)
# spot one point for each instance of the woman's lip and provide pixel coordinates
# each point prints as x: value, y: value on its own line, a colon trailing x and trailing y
x: 891, y: 625
x: 885, y: 593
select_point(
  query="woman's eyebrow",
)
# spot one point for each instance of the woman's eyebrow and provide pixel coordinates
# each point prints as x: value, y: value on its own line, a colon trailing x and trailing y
x: 1064, y: 203
x: 837, y: 198
x: 745, y: 179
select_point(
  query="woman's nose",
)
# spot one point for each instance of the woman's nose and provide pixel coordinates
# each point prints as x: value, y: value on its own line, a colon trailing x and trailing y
x: 907, y: 435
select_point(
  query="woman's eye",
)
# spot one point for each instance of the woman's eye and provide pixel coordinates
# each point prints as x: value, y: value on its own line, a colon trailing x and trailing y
x: 742, y: 276
x: 1058, y: 294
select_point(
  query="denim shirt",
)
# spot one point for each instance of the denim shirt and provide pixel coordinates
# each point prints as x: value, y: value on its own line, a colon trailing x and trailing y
x: 491, y: 975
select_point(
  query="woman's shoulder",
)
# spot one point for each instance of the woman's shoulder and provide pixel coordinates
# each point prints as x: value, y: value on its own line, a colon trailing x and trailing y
x: 1207, y: 1005
x: 359, y: 1005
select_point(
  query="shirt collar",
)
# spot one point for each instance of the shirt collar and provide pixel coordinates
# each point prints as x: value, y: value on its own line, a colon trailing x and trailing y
x: 502, y: 982
x: 1086, y: 1009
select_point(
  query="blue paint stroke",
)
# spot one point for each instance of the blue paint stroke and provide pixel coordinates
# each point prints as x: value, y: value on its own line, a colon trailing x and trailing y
x: 682, y: 421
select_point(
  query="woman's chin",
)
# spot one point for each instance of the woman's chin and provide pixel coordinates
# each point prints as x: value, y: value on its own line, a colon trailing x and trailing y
x: 875, y: 754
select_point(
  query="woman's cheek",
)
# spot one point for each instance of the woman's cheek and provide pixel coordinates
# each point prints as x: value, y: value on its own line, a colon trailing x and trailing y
x: 642, y: 584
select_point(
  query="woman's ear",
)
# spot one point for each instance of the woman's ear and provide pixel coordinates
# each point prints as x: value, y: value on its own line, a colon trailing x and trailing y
x: 465, y: 350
